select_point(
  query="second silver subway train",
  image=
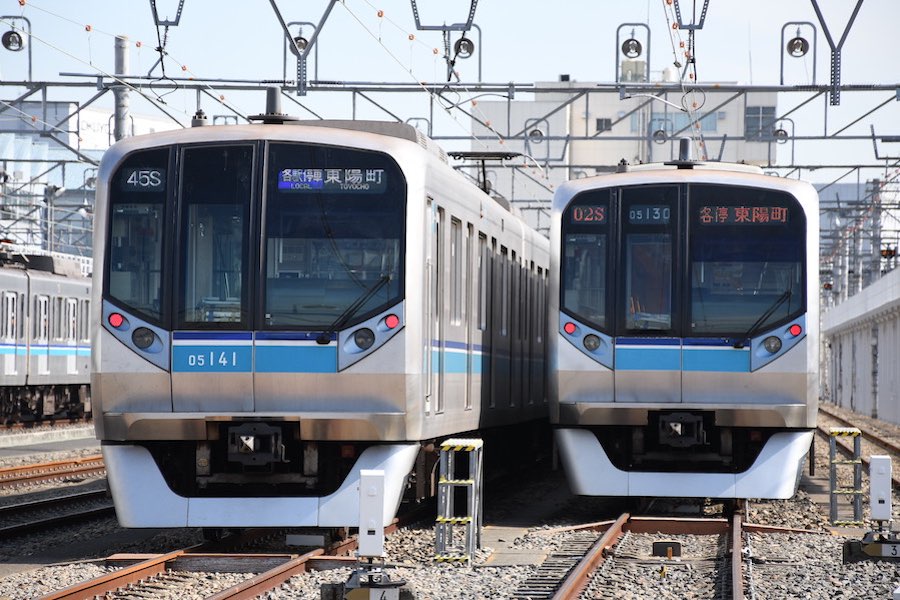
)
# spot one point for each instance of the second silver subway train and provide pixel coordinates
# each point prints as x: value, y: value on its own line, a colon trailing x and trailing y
x: 684, y: 331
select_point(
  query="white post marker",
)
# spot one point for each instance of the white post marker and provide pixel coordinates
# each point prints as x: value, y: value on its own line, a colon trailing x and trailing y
x: 880, y: 488
x: 371, y: 513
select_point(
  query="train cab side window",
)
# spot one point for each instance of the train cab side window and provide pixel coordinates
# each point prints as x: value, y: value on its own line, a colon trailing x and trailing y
x: 137, y: 200
x: 584, y: 257
x: 215, y: 199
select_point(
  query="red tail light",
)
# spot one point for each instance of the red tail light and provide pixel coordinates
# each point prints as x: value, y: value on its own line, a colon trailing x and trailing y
x: 116, y: 320
x: 795, y: 330
x: 391, y: 321
x: 569, y: 328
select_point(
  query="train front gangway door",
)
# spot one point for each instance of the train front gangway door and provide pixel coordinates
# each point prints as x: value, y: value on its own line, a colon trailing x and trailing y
x: 448, y: 546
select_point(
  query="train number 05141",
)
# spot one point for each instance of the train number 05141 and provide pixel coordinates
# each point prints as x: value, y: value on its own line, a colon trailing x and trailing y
x: 212, y: 359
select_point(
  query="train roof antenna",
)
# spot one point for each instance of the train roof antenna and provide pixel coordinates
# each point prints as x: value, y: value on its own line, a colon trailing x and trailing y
x: 684, y: 149
x: 273, y: 114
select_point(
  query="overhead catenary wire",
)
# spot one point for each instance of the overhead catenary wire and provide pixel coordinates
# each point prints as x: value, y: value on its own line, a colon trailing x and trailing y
x: 89, y: 28
x: 481, y: 117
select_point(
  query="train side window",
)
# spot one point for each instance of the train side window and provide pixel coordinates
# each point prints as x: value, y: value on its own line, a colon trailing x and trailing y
x: 137, y: 205
x: 23, y: 309
x: 71, y: 319
x: 504, y: 291
x: 9, y: 315
x: 85, y: 320
x: 456, y: 283
x: 42, y: 318
x: 483, y: 258
x: 56, y: 316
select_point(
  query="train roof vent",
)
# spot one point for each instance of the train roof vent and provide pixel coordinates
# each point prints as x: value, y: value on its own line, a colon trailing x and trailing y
x: 403, y: 131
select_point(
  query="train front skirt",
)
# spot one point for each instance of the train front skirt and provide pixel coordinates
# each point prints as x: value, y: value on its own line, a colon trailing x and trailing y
x: 774, y: 474
x: 143, y: 499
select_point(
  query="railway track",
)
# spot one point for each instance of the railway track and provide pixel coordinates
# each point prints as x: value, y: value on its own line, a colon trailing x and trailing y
x: 38, y: 515
x: 88, y: 466
x: 143, y: 576
x: 600, y: 560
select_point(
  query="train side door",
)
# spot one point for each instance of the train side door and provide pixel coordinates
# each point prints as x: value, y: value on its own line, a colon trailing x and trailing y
x: 40, y: 346
x: 648, y: 349
x: 71, y: 335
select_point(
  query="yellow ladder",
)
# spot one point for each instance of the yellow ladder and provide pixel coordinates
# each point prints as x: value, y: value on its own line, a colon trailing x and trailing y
x: 446, y: 548
x: 855, y: 493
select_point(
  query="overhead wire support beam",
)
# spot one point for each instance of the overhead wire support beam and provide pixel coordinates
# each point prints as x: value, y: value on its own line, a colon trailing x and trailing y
x: 836, y: 49
x: 694, y: 24
x: 302, y: 53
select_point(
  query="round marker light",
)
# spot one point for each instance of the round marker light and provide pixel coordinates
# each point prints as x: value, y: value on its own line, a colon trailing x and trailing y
x: 364, y: 338
x: 391, y: 321
x: 795, y: 330
x: 116, y: 320
x: 143, y: 338
x: 772, y: 344
x: 591, y: 342
x: 569, y: 328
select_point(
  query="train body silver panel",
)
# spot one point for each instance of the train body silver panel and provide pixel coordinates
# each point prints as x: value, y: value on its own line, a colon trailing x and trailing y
x: 142, y: 496
x: 774, y: 474
x: 44, y: 333
x: 782, y: 394
x: 386, y: 396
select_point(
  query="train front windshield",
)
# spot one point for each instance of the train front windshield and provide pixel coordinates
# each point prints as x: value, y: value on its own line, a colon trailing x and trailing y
x: 743, y: 249
x: 334, y: 236
x: 332, y: 220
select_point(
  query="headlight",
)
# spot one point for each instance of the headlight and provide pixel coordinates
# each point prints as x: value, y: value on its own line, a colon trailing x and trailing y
x: 364, y: 338
x: 143, y: 338
x: 591, y: 342
x: 772, y: 344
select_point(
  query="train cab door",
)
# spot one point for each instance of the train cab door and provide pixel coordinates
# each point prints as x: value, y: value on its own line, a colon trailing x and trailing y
x: 648, y: 349
x: 212, y: 308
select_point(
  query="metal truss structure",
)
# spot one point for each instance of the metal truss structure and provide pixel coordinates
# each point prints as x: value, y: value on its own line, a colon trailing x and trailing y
x: 34, y: 201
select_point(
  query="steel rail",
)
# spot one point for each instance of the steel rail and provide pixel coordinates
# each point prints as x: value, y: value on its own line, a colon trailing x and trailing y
x: 867, y: 433
x: 737, y: 563
x: 580, y: 576
x: 268, y: 580
x: 8, y: 531
x: 89, y: 465
x: 99, y: 586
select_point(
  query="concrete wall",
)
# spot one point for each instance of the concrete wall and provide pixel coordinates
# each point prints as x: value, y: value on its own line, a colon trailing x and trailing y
x: 861, y: 358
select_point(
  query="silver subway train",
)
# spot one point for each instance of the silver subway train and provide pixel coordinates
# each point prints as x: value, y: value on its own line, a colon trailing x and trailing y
x: 282, y: 305
x: 684, y: 331
x: 44, y: 338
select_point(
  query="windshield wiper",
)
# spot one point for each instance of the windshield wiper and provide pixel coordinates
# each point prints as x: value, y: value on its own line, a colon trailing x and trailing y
x: 325, y: 337
x: 739, y: 342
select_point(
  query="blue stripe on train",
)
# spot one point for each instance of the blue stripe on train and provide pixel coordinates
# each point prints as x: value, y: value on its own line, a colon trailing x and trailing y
x: 296, y: 359
x: 726, y: 360
x: 667, y: 358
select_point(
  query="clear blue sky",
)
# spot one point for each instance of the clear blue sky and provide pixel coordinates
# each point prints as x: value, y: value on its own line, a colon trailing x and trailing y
x: 524, y: 41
